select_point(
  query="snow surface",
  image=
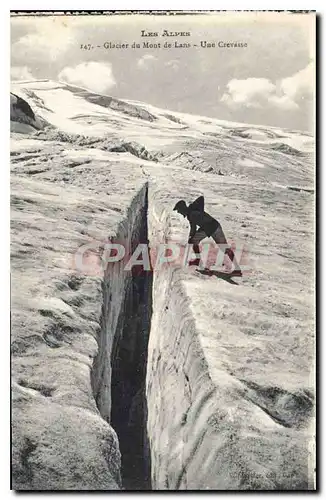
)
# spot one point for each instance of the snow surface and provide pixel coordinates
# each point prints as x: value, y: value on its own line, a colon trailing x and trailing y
x: 230, y: 376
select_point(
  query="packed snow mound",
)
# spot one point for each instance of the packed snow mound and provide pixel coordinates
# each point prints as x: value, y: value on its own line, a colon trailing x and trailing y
x: 112, y: 144
x: 285, y: 148
x: 251, y: 133
x: 112, y: 103
x: 188, y: 160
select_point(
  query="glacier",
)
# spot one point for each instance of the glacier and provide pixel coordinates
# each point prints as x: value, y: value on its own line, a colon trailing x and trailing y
x: 171, y: 379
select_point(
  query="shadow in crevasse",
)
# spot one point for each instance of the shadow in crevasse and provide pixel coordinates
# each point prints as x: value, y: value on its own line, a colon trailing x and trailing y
x: 129, y: 364
x: 219, y: 274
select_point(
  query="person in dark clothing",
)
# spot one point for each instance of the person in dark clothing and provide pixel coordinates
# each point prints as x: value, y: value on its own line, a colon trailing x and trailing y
x: 207, y: 227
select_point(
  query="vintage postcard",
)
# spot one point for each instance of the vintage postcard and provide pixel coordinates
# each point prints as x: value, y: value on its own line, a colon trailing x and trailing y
x: 163, y: 251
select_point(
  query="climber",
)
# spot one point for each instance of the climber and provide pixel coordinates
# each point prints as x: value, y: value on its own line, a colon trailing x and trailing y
x: 207, y: 226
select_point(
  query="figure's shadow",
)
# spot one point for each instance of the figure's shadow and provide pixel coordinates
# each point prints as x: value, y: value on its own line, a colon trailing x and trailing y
x: 219, y: 274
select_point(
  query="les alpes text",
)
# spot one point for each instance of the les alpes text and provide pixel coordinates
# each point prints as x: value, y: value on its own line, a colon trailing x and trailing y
x: 165, y: 33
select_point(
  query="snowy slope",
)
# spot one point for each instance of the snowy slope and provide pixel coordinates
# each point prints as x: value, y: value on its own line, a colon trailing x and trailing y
x: 230, y: 375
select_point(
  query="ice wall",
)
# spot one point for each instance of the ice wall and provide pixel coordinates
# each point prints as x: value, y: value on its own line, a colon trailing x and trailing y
x: 67, y: 331
x: 116, y: 283
x: 206, y: 431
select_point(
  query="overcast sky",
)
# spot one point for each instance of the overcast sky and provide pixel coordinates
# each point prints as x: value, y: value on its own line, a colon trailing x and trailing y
x: 269, y: 82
